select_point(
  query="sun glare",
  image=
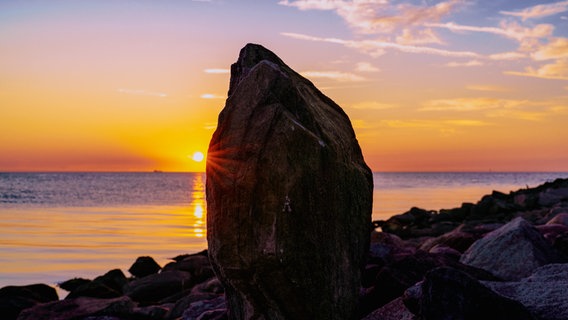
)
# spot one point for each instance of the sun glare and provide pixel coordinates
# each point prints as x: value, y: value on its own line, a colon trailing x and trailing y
x: 197, y: 156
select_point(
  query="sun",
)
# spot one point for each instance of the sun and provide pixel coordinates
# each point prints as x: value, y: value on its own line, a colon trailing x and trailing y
x: 197, y: 156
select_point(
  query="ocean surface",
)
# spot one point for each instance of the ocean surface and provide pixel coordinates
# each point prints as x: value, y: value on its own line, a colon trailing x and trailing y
x: 56, y: 226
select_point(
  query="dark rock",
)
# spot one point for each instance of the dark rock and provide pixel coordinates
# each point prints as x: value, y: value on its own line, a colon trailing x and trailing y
x: 108, y: 285
x: 511, y: 252
x: 451, y: 294
x: 205, y: 309
x: 183, y: 256
x: 198, y: 265
x: 210, y: 286
x: 394, y: 310
x: 73, y: 284
x: 405, y: 271
x: 289, y: 196
x: 183, y: 304
x: 543, y: 293
x: 14, y: 299
x: 79, y: 308
x: 153, y: 288
x: 456, y: 239
x: 403, y: 224
x: 560, y: 217
x: 144, y: 266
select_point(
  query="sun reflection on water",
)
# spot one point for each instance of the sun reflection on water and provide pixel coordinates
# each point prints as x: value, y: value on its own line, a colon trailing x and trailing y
x: 198, y: 206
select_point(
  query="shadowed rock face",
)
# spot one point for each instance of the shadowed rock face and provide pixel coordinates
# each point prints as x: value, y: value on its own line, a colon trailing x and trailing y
x: 289, y: 196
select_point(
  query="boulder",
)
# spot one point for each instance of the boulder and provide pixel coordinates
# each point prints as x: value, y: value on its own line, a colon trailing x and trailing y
x: 448, y: 293
x: 455, y: 239
x: 543, y: 293
x: 108, y: 285
x: 511, y: 252
x: 144, y: 266
x: 153, y: 288
x: 395, y: 277
x: 289, y: 196
x: 560, y: 218
x: 79, y: 308
x: 14, y: 299
x: 206, y: 309
x: 394, y: 310
x: 198, y: 265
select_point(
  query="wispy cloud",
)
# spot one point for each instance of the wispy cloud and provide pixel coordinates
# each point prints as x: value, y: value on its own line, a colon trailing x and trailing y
x: 487, y: 88
x: 507, y: 29
x: 529, y: 110
x: 217, y: 71
x: 366, y: 67
x: 539, y: 11
x: 377, y: 47
x: 468, y: 104
x: 210, y: 125
x: 470, y: 63
x: 380, y: 16
x: 372, y: 105
x: 557, y: 70
x: 434, y: 124
x: 556, y: 49
x: 511, y: 55
x: 140, y: 92
x: 333, y: 75
x: 211, y: 96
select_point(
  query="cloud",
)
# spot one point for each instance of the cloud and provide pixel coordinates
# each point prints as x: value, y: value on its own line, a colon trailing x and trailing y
x: 217, y: 71
x: 512, y: 55
x: 555, y: 49
x: 470, y: 104
x: 434, y: 124
x: 471, y: 63
x: 417, y: 36
x: 376, y: 47
x: 366, y: 67
x: 211, y: 96
x: 379, y: 16
x: 372, y: 105
x: 139, y: 92
x: 557, y: 70
x: 539, y: 11
x: 528, y: 110
x: 210, y: 125
x: 510, y: 30
x: 486, y: 88
x: 334, y: 75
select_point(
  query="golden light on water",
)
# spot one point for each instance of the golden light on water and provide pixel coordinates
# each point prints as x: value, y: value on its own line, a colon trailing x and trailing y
x: 198, y: 206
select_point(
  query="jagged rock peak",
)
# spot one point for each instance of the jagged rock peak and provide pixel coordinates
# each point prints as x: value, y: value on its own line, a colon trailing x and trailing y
x: 249, y: 56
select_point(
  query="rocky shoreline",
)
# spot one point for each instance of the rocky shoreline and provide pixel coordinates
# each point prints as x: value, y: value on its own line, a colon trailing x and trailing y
x: 504, y: 257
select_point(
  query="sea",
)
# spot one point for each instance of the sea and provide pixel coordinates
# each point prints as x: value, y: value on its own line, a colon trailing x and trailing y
x: 58, y: 226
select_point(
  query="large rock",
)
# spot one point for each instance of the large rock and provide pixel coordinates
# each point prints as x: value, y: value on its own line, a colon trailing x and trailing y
x: 511, y: 252
x: 289, y: 196
x: 153, y: 288
x: 14, y: 299
x: 543, y: 293
x: 448, y: 293
x: 78, y: 308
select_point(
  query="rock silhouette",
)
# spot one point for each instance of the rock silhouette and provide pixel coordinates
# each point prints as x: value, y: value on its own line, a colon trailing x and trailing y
x: 289, y: 196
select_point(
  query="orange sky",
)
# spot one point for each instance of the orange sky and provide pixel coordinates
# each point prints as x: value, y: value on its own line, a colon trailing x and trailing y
x: 429, y: 86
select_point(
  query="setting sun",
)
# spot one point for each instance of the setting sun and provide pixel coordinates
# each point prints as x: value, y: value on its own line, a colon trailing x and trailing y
x: 197, y: 156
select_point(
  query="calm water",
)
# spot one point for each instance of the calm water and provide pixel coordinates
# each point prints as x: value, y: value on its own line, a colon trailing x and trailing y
x: 55, y: 226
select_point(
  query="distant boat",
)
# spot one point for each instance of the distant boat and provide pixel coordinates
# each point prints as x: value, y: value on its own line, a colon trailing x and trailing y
x: 158, y: 171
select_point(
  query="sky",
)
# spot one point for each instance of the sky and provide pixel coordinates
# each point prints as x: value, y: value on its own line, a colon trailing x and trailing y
x: 137, y: 85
